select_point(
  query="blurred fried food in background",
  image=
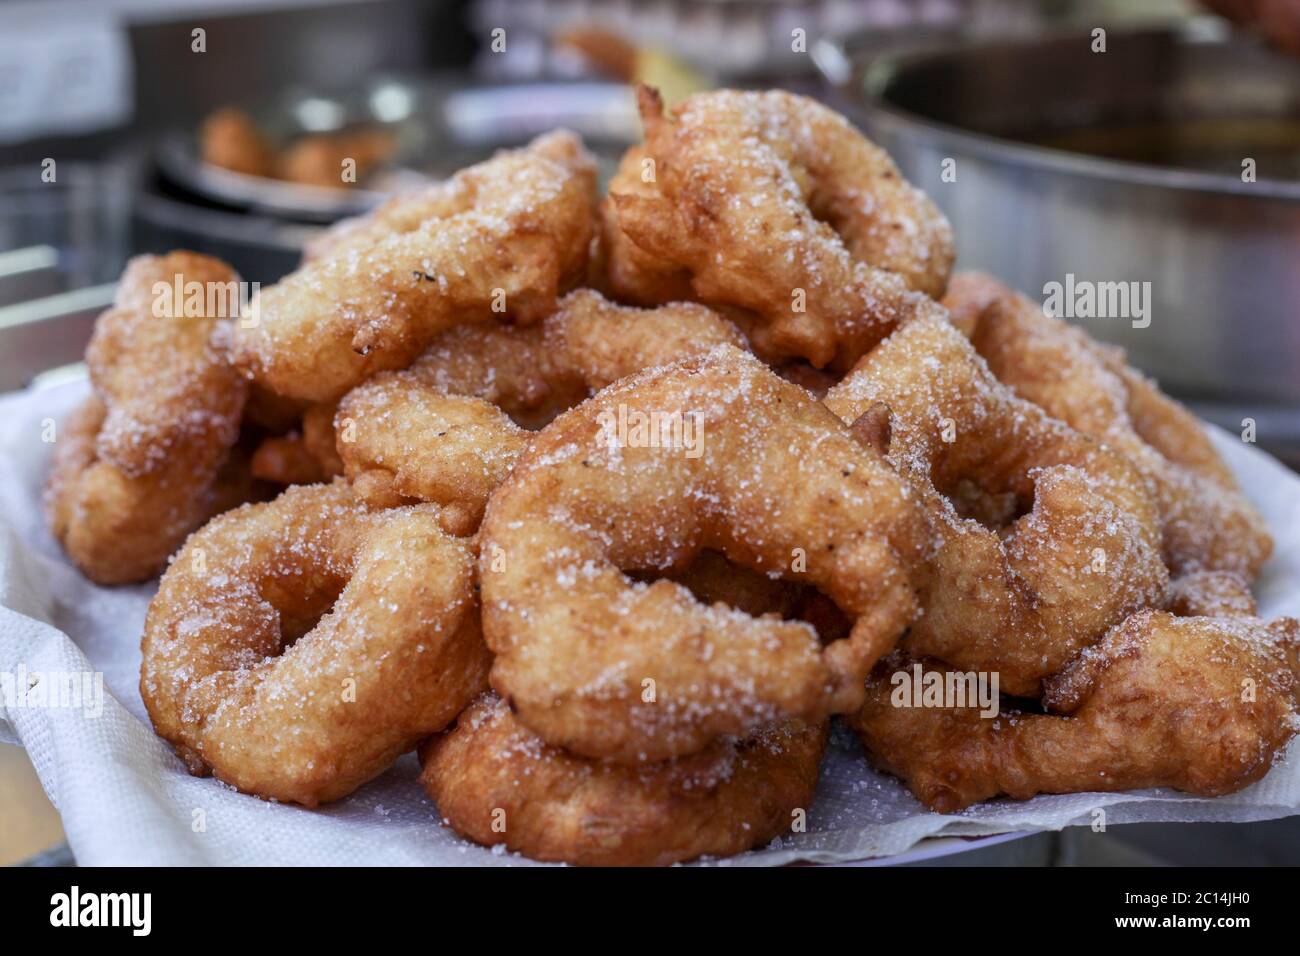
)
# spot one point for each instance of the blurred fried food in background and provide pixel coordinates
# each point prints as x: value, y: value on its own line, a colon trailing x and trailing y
x: 611, y: 55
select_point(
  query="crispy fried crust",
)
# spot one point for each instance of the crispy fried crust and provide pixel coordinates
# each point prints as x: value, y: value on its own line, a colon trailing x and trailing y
x: 415, y: 443
x: 511, y: 233
x: 1207, y: 523
x: 439, y: 430
x: 633, y: 274
x: 496, y: 782
x: 713, y: 579
x: 296, y: 648
x: 1201, y: 704
x: 968, y: 295
x: 135, y: 467
x: 1016, y: 594
x: 776, y: 483
x: 1211, y: 594
x: 775, y: 205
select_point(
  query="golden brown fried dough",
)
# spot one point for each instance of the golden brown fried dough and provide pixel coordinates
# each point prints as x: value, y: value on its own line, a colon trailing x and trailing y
x: 632, y: 273
x: 775, y: 205
x: 767, y: 477
x: 506, y: 236
x: 1044, y: 539
x: 230, y: 139
x: 1207, y: 523
x: 439, y: 432
x: 318, y: 160
x: 296, y: 648
x: 1201, y: 704
x: 135, y: 468
x: 496, y: 782
x: 286, y: 460
x: 1211, y: 594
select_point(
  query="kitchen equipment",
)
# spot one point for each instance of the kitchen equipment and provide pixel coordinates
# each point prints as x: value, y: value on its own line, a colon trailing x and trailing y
x: 438, y: 124
x: 1130, y: 165
x: 62, y: 226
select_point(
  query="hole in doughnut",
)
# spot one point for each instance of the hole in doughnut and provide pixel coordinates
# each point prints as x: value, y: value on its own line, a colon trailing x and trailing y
x: 713, y: 579
x: 984, y: 483
x: 995, y: 510
x: 824, y: 208
x: 301, y: 599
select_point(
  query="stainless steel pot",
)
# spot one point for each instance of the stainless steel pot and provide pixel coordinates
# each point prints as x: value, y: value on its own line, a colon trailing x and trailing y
x: 1222, y: 255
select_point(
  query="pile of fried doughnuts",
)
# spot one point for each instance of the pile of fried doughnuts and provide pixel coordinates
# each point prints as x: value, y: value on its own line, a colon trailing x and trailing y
x: 608, y: 507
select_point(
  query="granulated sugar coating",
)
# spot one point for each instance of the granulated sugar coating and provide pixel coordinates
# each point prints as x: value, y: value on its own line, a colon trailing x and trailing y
x: 439, y: 430
x: 1211, y: 594
x: 611, y: 667
x: 1206, y: 522
x: 416, y: 443
x: 500, y: 784
x: 512, y: 232
x: 140, y: 465
x: 296, y: 648
x: 684, y: 561
x: 1021, y: 599
x: 773, y: 204
x: 1203, y: 704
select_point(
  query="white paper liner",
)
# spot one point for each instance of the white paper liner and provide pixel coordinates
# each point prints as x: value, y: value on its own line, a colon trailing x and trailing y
x: 126, y: 799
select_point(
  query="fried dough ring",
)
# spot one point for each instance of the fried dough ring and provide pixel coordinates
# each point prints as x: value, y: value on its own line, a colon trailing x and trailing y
x: 240, y: 677
x: 490, y: 769
x: 1160, y: 701
x: 1207, y: 523
x: 511, y: 232
x: 778, y: 483
x: 417, y: 437
x: 758, y: 195
x: 631, y: 273
x: 1023, y: 599
x: 135, y: 468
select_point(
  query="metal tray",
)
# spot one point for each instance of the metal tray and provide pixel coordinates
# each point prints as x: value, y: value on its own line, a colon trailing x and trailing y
x: 440, y: 124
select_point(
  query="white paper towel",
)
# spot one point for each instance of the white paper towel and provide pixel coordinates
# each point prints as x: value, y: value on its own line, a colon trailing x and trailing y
x: 125, y: 799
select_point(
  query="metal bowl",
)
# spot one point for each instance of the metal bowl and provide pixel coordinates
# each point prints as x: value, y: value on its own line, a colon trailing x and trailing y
x: 439, y: 125
x: 1168, y: 115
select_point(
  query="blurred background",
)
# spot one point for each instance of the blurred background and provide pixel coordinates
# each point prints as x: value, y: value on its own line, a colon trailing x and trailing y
x: 1153, y: 141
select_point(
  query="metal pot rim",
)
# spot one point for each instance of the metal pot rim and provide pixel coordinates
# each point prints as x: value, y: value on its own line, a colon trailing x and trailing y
x: 835, y: 62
